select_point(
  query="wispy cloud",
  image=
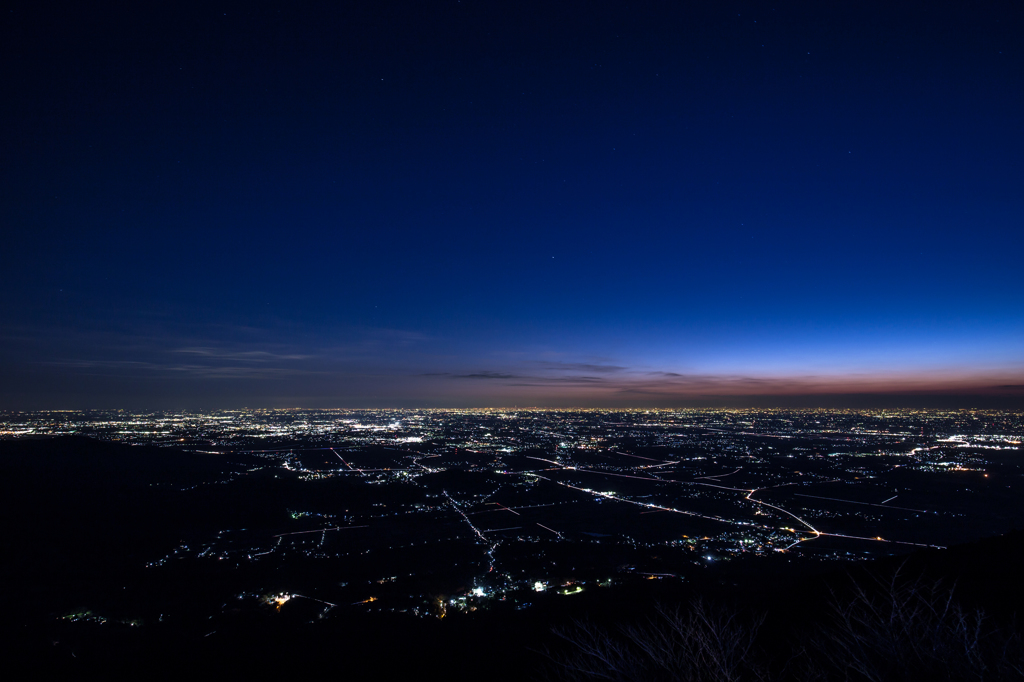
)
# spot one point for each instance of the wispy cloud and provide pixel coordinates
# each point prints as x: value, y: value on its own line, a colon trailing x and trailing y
x: 143, y: 368
x: 625, y: 387
x: 579, y: 367
x: 562, y: 381
x: 247, y: 356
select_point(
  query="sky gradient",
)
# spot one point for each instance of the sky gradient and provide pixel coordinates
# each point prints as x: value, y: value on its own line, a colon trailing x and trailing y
x: 491, y: 204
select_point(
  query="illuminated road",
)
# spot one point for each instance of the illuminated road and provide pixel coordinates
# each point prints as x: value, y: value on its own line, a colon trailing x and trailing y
x: 716, y: 476
x: 342, y: 459
x: 748, y: 495
x: 551, y: 529
x: 479, y: 533
x: 880, y: 539
x: 867, y: 504
x: 647, y: 505
x: 319, y: 530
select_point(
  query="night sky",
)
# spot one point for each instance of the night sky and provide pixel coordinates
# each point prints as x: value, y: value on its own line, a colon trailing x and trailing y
x: 484, y: 203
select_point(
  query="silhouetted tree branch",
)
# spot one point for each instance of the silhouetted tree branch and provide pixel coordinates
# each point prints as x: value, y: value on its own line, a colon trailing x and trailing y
x: 703, y: 643
x: 899, y: 629
x: 880, y: 631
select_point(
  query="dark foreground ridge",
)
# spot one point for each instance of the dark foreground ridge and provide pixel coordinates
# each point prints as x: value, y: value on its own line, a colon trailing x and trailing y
x: 86, y: 594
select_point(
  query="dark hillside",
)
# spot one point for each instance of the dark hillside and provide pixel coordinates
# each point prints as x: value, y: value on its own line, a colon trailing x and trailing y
x: 83, y: 517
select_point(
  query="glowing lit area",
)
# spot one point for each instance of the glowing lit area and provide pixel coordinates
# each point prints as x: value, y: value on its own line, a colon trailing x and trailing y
x: 277, y: 600
x: 539, y: 586
x: 479, y: 592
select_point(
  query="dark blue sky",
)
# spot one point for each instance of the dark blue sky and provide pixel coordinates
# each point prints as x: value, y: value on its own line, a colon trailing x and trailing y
x: 486, y: 203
